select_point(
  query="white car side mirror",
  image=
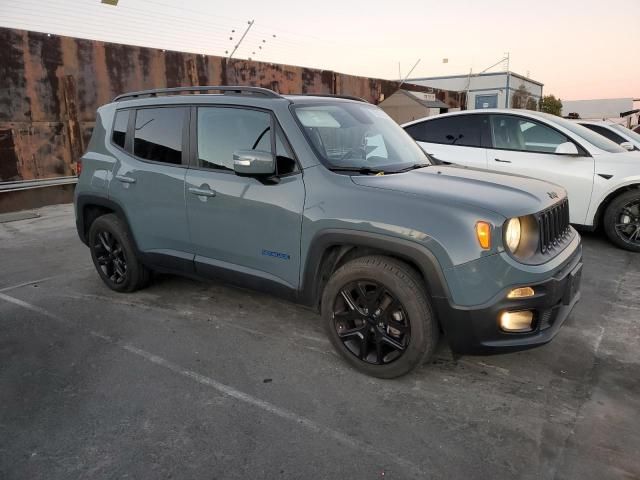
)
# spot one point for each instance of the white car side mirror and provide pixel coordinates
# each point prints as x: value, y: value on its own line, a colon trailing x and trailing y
x: 628, y: 146
x: 567, y: 148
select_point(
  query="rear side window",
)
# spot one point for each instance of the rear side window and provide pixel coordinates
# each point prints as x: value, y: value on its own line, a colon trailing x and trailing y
x: 158, y: 134
x: 517, y: 133
x: 120, y: 127
x: 605, y: 132
x: 461, y: 130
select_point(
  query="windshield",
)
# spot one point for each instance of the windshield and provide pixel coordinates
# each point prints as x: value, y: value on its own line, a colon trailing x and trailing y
x: 590, y: 136
x: 358, y: 136
x: 629, y: 133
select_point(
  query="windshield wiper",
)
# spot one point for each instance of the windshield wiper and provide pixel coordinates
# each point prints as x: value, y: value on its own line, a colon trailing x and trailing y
x: 412, y: 167
x: 363, y: 170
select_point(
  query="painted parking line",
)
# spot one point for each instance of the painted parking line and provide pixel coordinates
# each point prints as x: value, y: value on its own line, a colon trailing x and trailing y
x: 409, y: 467
x: 46, y: 279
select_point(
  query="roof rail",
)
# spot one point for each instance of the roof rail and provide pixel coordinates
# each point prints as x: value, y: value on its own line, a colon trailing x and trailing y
x: 232, y: 89
x: 335, y: 95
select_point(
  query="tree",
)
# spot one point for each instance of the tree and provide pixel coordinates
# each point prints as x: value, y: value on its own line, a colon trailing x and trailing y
x: 551, y: 104
x: 532, y: 104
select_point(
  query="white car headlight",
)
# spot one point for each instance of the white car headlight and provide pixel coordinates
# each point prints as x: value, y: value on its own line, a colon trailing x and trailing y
x: 513, y: 233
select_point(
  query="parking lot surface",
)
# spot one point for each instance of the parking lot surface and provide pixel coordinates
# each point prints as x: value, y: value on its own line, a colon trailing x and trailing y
x: 201, y: 380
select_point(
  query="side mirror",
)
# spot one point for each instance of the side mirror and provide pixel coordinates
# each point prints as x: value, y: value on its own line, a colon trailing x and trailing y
x: 254, y: 163
x: 567, y: 148
x: 628, y: 146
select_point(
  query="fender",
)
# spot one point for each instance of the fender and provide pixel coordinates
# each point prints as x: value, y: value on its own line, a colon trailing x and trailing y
x: 412, y: 252
x: 595, y: 208
x: 83, y: 200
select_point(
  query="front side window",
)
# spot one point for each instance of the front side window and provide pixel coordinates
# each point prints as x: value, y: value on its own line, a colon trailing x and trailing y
x: 158, y: 134
x: 357, y: 135
x: 605, y: 132
x: 120, y: 127
x: 460, y: 130
x: 222, y: 131
x: 517, y: 133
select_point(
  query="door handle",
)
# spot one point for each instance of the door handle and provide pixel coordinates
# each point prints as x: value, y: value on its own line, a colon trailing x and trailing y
x: 502, y: 161
x: 125, y: 179
x: 202, y: 192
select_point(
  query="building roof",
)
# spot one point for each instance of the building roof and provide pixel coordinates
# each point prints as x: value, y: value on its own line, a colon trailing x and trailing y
x: 486, y: 74
x: 423, y: 99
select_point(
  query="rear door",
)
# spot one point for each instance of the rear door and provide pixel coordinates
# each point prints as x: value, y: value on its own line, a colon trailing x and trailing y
x: 458, y: 139
x: 149, y: 178
x: 527, y: 147
x: 243, y: 226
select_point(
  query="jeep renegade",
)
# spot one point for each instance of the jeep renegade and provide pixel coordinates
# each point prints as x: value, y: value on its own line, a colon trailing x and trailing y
x: 326, y: 201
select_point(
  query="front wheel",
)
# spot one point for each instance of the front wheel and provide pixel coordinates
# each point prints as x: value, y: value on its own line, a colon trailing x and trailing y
x: 378, y: 316
x: 622, y: 220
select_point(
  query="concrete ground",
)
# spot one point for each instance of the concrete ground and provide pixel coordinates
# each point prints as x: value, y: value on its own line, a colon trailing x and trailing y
x: 195, y: 380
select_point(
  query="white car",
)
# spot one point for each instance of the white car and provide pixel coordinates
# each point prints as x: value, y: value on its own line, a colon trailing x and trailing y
x: 601, y: 178
x: 617, y: 133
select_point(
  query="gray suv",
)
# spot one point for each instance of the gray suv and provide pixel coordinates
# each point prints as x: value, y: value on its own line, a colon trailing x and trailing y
x: 325, y: 201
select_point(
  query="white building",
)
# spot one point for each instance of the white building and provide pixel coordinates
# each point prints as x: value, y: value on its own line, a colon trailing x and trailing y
x: 613, y: 109
x: 489, y: 90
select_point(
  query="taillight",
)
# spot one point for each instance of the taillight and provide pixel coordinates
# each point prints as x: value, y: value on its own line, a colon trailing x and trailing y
x: 79, y: 167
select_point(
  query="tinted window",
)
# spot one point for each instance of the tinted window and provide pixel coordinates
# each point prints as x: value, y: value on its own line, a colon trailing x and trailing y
x: 222, y: 131
x: 120, y: 127
x: 516, y: 133
x: 605, y: 132
x: 158, y: 134
x: 462, y: 130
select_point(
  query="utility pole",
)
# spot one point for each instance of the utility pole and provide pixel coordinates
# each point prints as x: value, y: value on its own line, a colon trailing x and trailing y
x: 242, y: 38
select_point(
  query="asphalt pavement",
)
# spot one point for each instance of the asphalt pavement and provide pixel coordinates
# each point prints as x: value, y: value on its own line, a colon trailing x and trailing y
x: 190, y: 380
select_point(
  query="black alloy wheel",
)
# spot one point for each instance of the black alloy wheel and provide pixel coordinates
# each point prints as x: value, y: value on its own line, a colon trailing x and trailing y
x: 371, y: 322
x: 110, y: 257
x: 622, y: 220
x: 628, y: 222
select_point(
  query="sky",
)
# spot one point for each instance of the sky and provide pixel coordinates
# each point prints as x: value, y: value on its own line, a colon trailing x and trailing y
x: 580, y: 49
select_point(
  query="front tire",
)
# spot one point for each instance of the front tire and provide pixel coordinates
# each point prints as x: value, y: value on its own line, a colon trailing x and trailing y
x: 378, y: 316
x: 622, y: 220
x: 113, y: 255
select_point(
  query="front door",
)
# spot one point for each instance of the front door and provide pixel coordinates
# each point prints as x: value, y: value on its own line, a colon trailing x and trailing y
x: 526, y: 147
x: 243, y: 228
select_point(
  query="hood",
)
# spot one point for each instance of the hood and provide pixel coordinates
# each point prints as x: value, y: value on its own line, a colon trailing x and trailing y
x: 504, y: 194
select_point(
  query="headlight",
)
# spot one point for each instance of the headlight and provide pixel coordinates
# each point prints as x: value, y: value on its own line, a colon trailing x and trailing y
x: 512, y: 234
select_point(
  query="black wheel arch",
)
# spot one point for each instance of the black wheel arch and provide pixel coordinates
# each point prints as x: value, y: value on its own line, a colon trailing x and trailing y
x: 332, y: 248
x: 90, y: 207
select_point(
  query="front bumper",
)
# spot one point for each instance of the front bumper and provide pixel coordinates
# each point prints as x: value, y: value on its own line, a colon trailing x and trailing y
x: 476, y: 330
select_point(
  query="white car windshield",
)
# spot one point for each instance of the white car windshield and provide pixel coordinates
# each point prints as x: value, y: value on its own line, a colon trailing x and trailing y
x: 592, y: 137
x: 628, y: 132
x: 349, y: 135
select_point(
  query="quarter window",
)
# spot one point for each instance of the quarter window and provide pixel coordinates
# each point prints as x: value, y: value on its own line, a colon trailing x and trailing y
x: 120, y: 127
x: 461, y: 130
x: 515, y: 133
x: 158, y: 134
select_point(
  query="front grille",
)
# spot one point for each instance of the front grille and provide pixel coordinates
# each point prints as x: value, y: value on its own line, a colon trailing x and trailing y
x: 553, y: 225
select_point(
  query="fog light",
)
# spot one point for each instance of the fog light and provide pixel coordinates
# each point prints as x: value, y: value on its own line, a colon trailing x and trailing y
x: 522, y: 292
x: 516, y: 321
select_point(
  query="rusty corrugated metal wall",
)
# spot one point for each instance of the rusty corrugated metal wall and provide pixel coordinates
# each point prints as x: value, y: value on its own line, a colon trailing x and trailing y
x: 51, y: 86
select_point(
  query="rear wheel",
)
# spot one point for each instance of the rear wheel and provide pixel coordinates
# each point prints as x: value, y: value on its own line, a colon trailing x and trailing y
x: 114, y: 257
x: 622, y: 220
x: 378, y: 316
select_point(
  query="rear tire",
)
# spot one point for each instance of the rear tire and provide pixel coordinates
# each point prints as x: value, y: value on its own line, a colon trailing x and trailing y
x: 114, y: 257
x: 378, y: 316
x: 622, y: 220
